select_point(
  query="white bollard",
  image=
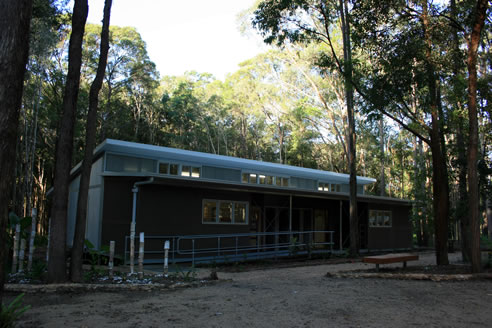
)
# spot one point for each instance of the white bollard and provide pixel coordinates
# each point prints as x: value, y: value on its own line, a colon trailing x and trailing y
x: 166, y: 253
x: 132, y: 248
x: 22, y: 251
x: 111, y: 258
x: 141, y: 256
x: 16, y: 248
x: 34, y: 214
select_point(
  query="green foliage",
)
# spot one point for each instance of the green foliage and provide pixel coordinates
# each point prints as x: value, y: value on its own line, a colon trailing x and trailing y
x: 184, y: 274
x: 96, y: 257
x: 11, y: 313
x: 38, y: 270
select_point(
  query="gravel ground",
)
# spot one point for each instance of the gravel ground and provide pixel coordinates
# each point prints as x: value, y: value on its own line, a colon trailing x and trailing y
x: 284, y: 297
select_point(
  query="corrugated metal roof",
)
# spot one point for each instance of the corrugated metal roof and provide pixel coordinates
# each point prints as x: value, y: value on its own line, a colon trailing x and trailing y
x: 199, y: 158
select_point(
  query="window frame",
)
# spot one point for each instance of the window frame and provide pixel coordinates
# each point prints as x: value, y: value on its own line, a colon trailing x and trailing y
x: 376, y: 215
x: 218, y: 203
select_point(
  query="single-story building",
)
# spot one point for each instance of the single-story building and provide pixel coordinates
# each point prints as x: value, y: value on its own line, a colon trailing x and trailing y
x: 174, y: 192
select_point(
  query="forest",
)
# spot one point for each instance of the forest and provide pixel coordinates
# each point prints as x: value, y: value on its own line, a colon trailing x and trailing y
x: 385, y: 86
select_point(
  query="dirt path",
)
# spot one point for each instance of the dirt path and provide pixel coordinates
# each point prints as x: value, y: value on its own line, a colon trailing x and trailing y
x: 288, y: 297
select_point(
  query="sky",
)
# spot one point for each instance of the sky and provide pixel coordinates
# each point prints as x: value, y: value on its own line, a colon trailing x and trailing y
x: 186, y: 35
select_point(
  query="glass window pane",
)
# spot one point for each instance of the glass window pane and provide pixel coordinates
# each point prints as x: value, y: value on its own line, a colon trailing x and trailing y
x: 239, y: 213
x: 164, y: 168
x: 262, y: 179
x: 173, y: 169
x: 244, y: 177
x: 380, y: 219
x: 225, y: 212
x: 337, y: 188
x: 285, y: 182
x: 372, y: 218
x: 387, y: 219
x: 185, y: 171
x: 148, y: 165
x: 209, y: 211
x: 320, y: 187
x: 269, y: 180
x: 252, y: 178
x: 326, y: 187
x: 195, y: 172
x: 278, y: 181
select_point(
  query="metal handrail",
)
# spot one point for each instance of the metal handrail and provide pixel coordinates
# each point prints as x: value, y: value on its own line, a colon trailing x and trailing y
x: 229, y: 245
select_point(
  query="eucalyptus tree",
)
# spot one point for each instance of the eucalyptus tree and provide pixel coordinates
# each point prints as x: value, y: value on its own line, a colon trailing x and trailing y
x: 130, y: 80
x: 76, y: 272
x: 64, y: 147
x: 406, y: 40
x: 15, y: 17
x: 312, y: 21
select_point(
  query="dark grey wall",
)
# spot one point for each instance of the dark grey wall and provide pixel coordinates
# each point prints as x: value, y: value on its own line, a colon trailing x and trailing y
x: 399, y: 235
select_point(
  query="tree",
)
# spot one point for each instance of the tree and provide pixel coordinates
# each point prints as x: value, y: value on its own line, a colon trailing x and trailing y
x: 407, y: 74
x: 90, y: 140
x: 312, y: 21
x: 64, y: 147
x: 479, y: 15
x: 15, y: 18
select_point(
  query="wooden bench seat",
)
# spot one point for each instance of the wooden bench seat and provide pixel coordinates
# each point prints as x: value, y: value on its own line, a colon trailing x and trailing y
x: 390, y: 258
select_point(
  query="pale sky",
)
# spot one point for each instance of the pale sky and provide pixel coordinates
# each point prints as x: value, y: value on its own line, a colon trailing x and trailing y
x: 186, y: 35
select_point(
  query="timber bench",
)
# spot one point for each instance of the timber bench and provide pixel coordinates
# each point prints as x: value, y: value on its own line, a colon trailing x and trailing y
x: 390, y: 258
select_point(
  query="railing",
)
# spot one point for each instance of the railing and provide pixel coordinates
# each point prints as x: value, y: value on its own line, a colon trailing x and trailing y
x: 235, y: 247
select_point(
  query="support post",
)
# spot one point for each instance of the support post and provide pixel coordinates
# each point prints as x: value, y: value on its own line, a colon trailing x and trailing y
x: 132, y: 231
x: 341, y: 230
x: 166, y: 254
x: 34, y: 214
x: 132, y: 248
x: 111, y: 258
x: 290, y: 214
x: 21, y: 254
x: 141, y: 256
x: 16, y: 248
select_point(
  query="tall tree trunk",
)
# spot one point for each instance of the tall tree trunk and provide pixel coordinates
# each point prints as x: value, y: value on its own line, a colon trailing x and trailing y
x: 461, y: 207
x: 57, y: 264
x: 349, y: 97
x: 439, y: 170
x: 15, y: 18
x: 381, y: 147
x: 90, y: 141
x: 473, y: 194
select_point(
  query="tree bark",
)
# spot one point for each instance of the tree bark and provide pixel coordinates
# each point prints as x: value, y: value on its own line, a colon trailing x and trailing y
x: 473, y: 194
x: 15, y: 18
x: 90, y: 141
x: 439, y: 170
x: 382, y: 192
x: 349, y: 97
x: 57, y: 262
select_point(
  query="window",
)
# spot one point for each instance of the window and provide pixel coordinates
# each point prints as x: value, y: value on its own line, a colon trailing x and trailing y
x: 209, y: 211
x: 380, y: 219
x: 185, y: 171
x: 240, y: 212
x: 173, y: 169
x: 333, y: 187
x: 263, y: 179
x: 224, y: 212
x: 163, y: 168
x: 195, y: 172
